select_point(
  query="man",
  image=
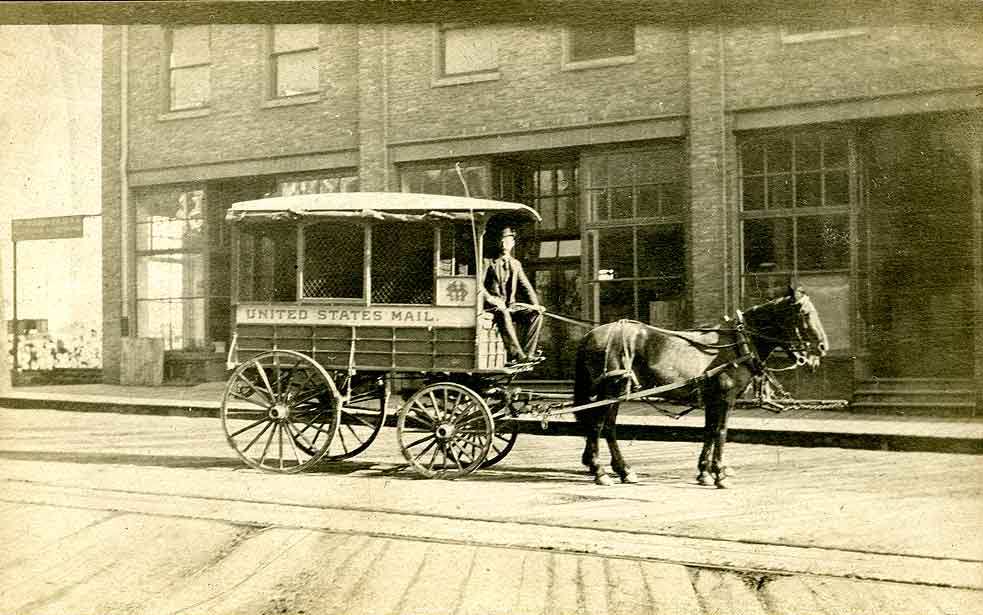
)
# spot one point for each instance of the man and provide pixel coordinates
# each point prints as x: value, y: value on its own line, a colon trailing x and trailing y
x: 504, y: 284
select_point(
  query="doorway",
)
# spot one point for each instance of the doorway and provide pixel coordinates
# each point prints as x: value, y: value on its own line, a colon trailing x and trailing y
x: 917, y: 230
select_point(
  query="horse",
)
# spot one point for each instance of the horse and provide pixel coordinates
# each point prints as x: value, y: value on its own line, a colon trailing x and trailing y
x: 713, y: 366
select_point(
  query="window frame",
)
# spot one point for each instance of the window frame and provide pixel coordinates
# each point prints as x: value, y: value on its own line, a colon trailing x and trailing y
x: 593, y: 228
x: 272, y: 92
x: 793, y: 213
x: 171, y: 69
x: 788, y: 36
x: 201, y: 251
x: 569, y: 63
x: 441, y: 77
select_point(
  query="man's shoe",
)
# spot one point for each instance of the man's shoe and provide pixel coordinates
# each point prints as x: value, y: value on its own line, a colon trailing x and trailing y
x: 517, y: 360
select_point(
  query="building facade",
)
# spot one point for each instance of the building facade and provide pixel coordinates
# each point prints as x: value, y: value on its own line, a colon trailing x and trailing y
x: 682, y: 171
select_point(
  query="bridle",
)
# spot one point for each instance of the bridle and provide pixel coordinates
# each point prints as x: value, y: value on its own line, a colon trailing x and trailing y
x: 799, y: 347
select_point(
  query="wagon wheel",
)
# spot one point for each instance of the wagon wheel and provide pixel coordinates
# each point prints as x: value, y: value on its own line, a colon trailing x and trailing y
x: 445, y: 430
x: 280, y: 411
x: 506, y: 433
x: 362, y: 415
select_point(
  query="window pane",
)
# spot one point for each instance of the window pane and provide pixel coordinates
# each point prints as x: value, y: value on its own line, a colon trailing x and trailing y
x: 547, y: 209
x: 620, y: 170
x: 180, y: 323
x: 588, y: 43
x: 170, y: 276
x: 617, y: 300
x: 333, y: 260
x: 660, y: 302
x: 291, y: 37
x: 779, y: 191
x: 402, y: 263
x: 296, y: 73
x: 470, y: 50
x: 672, y: 199
x: 598, y: 203
x: 823, y: 242
x: 544, y: 182
x: 768, y: 245
x: 808, y: 190
x: 779, y: 155
x: 268, y: 263
x: 752, y: 158
x: 615, y: 253
x: 566, y: 180
x: 621, y: 206
x: 661, y: 251
x: 835, y: 151
x: 830, y: 294
x: 597, y: 172
x: 760, y: 289
x: 167, y: 234
x: 189, y: 45
x: 190, y: 87
x: 837, y: 189
x: 331, y: 184
x: 807, y: 153
x: 753, y: 189
x: 349, y: 184
x: 648, y: 201
x: 566, y: 212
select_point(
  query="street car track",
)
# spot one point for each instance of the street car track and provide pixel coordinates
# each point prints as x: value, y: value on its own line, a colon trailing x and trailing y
x: 737, y: 555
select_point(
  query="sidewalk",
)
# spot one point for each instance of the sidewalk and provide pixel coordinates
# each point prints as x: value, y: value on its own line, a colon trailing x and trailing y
x: 637, y: 421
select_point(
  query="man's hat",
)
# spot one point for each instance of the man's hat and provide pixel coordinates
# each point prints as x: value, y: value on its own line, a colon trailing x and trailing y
x: 508, y: 232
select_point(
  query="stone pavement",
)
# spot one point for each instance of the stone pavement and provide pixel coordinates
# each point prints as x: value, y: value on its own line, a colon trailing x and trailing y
x: 637, y: 421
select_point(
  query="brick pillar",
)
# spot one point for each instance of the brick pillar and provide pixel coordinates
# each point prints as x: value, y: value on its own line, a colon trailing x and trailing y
x: 375, y: 171
x: 711, y: 165
x: 112, y: 274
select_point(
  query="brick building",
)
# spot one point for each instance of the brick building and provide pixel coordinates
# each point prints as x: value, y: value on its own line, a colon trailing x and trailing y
x: 683, y: 171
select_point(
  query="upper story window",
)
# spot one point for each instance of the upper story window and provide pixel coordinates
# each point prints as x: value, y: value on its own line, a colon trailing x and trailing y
x: 189, y: 67
x: 294, y: 64
x: 443, y: 179
x: 465, y: 54
x: 599, y: 45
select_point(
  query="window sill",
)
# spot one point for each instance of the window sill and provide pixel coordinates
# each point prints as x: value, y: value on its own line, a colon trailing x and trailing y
x: 183, y: 114
x: 439, y: 82
x: 289, y: 101
x: 821, y: 35
x: 569, y: 65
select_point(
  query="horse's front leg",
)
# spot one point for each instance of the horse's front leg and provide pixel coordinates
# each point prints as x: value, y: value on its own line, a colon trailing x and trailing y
x: 618, y: 463
x: 710, y: 412
x: 717, y: 467
x: 591, y: 422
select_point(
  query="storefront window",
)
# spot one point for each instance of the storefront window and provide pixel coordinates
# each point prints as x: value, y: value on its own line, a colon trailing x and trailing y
x: 444, y: 179
x: 170, y: 271
x: 637, y: 254
x: 795, y: 222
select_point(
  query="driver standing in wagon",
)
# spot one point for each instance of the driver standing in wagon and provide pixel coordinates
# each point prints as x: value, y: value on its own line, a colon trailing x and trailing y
x: 504, y: 283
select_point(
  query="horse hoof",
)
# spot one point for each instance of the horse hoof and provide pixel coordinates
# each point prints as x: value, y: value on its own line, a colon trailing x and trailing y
x: 703, y: 479
x: 603, y: 479
x: 630, y: 477
x: 721, y: 483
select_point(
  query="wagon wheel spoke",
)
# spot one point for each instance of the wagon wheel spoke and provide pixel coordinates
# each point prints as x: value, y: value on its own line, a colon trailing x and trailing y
x: 266, y: 380
x: 249, y: 426
x: 258, y: 436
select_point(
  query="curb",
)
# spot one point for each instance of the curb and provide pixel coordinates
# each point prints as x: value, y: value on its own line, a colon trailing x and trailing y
x: 627, y: 430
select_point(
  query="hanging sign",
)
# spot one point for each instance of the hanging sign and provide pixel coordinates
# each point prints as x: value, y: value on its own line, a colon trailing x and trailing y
x: 55, y: 227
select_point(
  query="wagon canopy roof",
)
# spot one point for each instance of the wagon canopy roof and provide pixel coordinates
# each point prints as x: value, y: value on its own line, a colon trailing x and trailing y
x: 401, y: 206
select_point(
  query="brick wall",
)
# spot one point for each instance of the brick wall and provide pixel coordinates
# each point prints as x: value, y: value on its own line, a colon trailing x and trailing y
x: 239, y: 127
x: 764, y: 71
x: 532, y: 92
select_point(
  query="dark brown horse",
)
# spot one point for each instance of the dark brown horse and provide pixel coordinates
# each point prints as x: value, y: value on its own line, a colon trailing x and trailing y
x: 716, y: 363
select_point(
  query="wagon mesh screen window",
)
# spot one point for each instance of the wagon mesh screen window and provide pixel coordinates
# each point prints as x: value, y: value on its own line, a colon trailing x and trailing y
x: 268, y: 263
x: 402, y: 263
x: 334, y: 257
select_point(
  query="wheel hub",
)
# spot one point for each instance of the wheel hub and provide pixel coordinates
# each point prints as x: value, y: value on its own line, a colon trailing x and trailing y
x: 280, y: 412
x: 444, y: 431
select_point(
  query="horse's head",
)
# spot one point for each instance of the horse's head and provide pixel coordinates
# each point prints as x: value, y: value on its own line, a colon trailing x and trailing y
x: 792, y: 322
